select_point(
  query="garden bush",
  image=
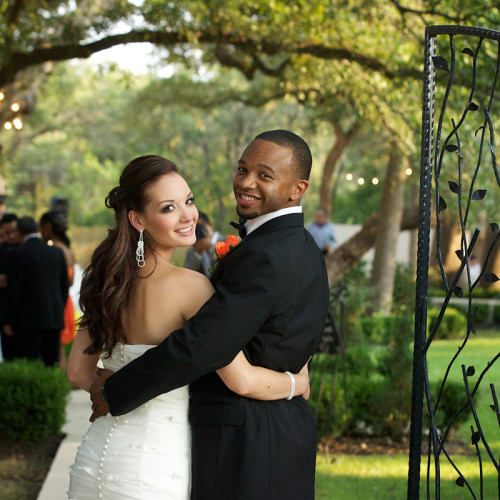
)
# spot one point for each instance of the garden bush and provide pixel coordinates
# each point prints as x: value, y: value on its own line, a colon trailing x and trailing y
x: 496, y: 314
x: 404, y: 287
x: 453, y: 397
x: 375, y: 328
x: 453, y: 324
x: 482, y: 312
x: 32, y: 400
x: 375, y: 400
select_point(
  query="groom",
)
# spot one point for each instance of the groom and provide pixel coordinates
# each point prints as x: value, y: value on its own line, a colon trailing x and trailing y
x: 271, y: 300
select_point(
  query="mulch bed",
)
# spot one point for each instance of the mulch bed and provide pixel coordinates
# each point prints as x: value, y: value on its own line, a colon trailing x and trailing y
x: 382, y: 446
x: 24, y: 466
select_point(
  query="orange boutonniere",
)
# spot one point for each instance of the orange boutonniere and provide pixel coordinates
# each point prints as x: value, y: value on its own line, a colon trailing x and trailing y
x: 222, y: 248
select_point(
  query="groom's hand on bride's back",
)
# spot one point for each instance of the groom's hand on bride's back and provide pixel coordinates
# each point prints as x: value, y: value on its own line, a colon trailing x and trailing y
x: 99, y: 405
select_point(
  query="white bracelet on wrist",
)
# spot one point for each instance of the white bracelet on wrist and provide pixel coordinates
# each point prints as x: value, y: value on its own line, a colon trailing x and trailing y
x: 292, y: 389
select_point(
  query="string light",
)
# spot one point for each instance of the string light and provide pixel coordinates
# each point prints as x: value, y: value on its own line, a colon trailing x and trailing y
x: 7, y: 125
x: 361, y: 181
x: 348, y: 177
x: 15, y: 107
x: 18, y: 124
x: 2, y: 95
x: 375, y: 181
x: 409, y: 171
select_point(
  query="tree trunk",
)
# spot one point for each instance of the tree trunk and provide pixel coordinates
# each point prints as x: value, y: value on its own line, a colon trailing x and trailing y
x: 349, y: 253
x: 493, y: 265
x: 414, y: 232
x: 391, y: 212
x: 342, y: 140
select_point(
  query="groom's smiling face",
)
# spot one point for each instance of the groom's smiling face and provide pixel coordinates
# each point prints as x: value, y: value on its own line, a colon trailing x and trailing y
x: 264, y: 179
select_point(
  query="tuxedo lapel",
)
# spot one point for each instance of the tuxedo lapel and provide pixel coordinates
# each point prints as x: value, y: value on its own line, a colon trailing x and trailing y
x: 282, y: 222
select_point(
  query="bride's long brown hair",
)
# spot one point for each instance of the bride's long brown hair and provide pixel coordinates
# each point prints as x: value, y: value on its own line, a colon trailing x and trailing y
x: 107, y: 281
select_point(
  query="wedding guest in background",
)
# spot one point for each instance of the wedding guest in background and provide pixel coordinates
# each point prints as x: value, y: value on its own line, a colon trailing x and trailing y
x: 2, y: 204
x: 474, y: 268
x: 200, y: 257
x: 37, y: 289
x: 322, y: 231
x: 8, y: 226
x: 53, y: 227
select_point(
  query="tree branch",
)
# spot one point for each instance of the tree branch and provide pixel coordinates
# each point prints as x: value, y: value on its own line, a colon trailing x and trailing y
x: 17, y: 61
x: 432, y: 12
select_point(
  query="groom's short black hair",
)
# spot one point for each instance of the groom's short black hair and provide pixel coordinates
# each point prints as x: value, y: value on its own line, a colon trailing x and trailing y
x: 301, y: 158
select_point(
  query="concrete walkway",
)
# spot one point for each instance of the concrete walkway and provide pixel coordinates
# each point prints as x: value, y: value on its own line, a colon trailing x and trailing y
x: 77, y: 422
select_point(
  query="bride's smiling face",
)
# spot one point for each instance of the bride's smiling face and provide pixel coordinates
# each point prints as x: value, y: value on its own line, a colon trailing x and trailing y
x: 170, y: 216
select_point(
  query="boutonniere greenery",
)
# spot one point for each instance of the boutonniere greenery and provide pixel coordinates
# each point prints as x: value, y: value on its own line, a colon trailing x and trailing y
x: 222, y: 248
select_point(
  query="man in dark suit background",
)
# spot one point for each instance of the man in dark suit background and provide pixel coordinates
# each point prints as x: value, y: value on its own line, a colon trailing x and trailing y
x: 8, y: 223
x: 37, y: 288
x: 271, y: 300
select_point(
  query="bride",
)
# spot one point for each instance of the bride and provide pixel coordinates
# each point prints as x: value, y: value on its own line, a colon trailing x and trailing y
x: 131, y: 294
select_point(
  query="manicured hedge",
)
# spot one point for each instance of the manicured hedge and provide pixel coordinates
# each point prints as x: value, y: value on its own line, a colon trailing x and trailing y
x: 32, y: 400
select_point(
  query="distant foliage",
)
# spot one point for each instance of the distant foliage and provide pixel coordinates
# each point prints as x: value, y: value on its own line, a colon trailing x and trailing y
x: 453, y: 324
x: 32, y: 400
x: 374, y: 398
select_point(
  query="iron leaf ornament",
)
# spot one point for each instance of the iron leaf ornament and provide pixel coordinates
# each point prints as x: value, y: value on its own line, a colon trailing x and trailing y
x: 440, y: 63
x: 479, y: 194
x: 454, y: 187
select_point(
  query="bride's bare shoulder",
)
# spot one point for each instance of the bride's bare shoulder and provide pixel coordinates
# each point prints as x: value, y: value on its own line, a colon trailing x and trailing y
x: 192, y: 279
x: 193, y: 289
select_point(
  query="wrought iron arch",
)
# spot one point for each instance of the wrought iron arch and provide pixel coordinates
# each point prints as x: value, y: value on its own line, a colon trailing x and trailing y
x: 462, y: 65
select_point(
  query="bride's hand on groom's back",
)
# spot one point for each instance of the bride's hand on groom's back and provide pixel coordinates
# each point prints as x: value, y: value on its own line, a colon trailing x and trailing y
x: 302, y: 387
x: 99, y: 405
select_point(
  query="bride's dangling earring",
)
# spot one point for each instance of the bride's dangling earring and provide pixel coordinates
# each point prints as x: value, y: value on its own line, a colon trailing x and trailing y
x: 139, y: 253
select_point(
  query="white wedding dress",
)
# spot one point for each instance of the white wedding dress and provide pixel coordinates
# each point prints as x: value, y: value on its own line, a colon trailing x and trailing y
x: 144, y: 454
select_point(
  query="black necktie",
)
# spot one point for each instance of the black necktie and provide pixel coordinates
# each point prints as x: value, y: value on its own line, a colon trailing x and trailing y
x: 240, y: 226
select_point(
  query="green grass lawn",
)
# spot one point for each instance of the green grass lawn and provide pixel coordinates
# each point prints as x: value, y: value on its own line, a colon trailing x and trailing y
x: 381, y: 477
x: 351, y: 477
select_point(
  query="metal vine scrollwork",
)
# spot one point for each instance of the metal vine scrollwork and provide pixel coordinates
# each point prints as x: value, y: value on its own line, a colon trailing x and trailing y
x: 459, y: 171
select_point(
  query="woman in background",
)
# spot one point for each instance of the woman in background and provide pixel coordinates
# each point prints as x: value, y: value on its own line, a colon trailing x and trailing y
x: 53, y: 227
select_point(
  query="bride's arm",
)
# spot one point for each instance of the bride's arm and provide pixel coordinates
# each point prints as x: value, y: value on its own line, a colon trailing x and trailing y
x: 81, y: 368
x: 261, y: 383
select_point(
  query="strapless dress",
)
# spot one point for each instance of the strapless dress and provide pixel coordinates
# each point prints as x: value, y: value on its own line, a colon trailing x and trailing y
x: 144, y: 454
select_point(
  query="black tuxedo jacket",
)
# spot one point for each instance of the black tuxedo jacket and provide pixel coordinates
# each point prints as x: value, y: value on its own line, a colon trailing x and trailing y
x: 37, y: 288
x: 271, y: 300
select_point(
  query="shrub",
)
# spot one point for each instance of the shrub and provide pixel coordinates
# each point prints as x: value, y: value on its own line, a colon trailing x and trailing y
x: 376, y: 328
x: 496, y: 314
x: 453, y: 324
x: 482, y: 313
x: 404, y: 287
x: 32, y: 400
x: 452, y: 398
x: 376, y: 398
